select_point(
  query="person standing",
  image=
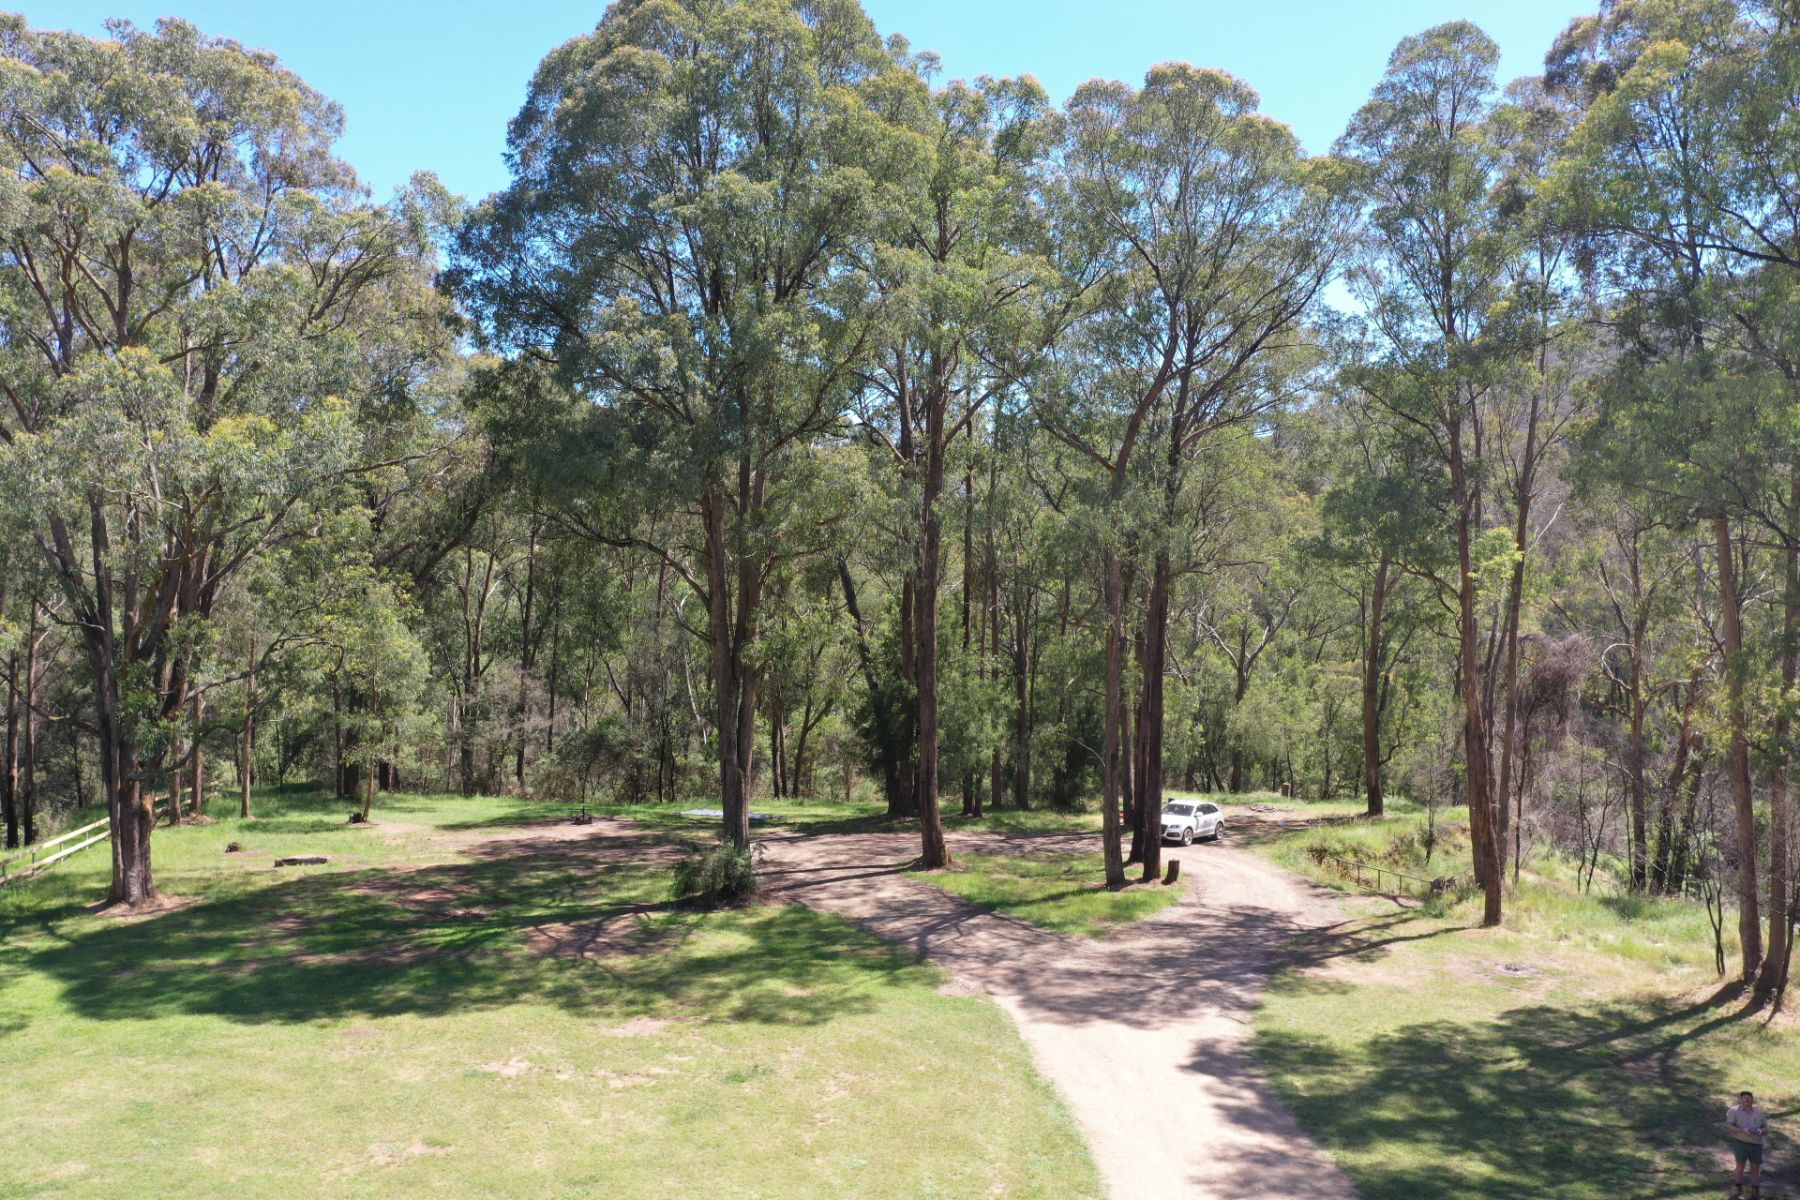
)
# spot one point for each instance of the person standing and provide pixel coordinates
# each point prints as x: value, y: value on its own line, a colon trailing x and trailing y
x: 1748, y: 1126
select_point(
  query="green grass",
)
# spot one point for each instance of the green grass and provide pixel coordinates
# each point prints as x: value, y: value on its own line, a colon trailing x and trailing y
x: 1572, y: 1054
x: 431, y: 1016
x: 1065, y: 893
x: 835, y: 816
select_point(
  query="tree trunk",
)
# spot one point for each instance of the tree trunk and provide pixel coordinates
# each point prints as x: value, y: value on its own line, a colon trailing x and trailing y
x: 1749, y: 915
x: 9, y: 763
x: 996, y: 765
x: 1515, y: 598
x: 197, y: 783
x: 247, y: 738
x: 933, y: 853
x: 1022, y: 700
x: 1772, y: 974
x: 176, y: 749
x: 1150, y: 728
x: 28, y: 750
x: 1639, y: 791
x: 1477, y: 765
x: 368, y: 793
x: 129, y: 809
x: 906, y: 767
x: 520, y: 707
x: 1113, y: 587
x: 1371, y: 696
x: 733, y: 583
x: 971, y: 795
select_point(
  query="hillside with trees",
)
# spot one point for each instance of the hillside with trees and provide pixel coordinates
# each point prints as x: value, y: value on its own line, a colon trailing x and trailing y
x: 799, y: 424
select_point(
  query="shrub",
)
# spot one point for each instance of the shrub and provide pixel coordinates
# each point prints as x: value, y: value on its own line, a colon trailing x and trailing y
x: 717, y: 874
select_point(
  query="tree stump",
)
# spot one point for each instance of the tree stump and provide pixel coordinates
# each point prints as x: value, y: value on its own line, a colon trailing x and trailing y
x: 233, y: 848
x: 1173, y: 873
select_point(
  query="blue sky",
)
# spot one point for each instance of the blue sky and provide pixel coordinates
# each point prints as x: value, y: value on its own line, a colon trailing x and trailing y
x: 432, y: 85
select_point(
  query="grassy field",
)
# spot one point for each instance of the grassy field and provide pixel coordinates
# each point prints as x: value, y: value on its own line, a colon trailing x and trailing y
x: 1061, y: 892
x: 436, y: 1014
x: 1571, y: 1054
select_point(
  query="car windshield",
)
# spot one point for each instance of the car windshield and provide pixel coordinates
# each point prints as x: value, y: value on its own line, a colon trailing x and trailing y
x: 1179, y: 810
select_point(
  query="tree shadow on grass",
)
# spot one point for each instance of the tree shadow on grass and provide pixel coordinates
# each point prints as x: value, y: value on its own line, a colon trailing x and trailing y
x: 579, y: 924
x: 1540, y: 1102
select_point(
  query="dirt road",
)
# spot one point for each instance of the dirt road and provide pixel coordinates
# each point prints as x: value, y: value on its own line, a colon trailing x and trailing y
x: 1145, y: 1034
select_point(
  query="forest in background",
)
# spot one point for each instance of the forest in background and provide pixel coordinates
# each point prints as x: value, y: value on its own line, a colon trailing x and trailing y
x: 799, y: 423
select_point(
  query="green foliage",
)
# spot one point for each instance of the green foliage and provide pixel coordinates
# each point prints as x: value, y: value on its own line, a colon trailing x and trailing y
x: 717, y: 874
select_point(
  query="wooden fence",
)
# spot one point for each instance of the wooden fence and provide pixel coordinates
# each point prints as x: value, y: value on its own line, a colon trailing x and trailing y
x: 48, y: 853
x: 1360, y: 873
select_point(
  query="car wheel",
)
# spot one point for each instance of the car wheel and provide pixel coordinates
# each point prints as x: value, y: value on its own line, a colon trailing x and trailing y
x: 1187, y: 836
x: 1218, y: 831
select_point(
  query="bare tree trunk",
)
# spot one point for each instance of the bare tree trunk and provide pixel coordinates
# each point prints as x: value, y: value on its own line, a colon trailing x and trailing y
x: 1773, y: 974
x: 176, y: 749
x: 520, y: 708
x: 1022, y: 699
x: 28, y: 751
x: 971, y: 796
x: 1113, y: 586
x: 908, y: 767
x: 933, y: 853
x: 1480, y: 795
x: 1639, y: 792
x: 1515, y: 597
x: 9, y: 764
x: 1749, y: 915
x: 197, y: 784
x: 247, y: 737
x: 1371, y: 696
x: 1150, y: 729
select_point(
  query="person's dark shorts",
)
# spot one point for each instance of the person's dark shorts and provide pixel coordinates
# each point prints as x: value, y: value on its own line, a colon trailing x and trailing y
x: 1747, y: 1152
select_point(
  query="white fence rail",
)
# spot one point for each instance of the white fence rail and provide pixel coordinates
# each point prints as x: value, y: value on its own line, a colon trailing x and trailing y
x: 48, y: 853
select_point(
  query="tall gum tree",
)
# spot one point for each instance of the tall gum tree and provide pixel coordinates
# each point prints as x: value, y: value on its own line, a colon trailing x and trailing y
x: 185, y: 272
x: 1433, y: 267
x: 1681, y: 174
x: 1217, y: 235
x: 957, y: 284
x: 693, y: 190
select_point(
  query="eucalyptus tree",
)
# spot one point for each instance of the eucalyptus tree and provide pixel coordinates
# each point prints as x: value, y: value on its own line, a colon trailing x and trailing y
x: 958, y: 284
x: 694, y: 188
x: 1434, y: 266
x: 1682, y: 172
x: 1218, y: 235
x: 1385, y: 478
x: 186, y: 278
x: 1541, y: 392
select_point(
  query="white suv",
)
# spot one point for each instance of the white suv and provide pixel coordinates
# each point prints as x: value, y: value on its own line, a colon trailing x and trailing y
x: 1185, y: 820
